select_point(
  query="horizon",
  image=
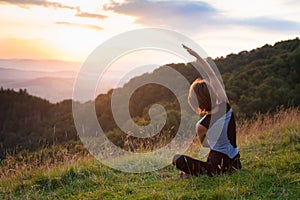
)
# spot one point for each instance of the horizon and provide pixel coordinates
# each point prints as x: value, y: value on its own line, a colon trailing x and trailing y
x: 79, y: 62
x: 38, y: 81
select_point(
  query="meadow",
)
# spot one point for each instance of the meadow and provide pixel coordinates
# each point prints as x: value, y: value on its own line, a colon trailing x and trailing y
x: 270, y: 155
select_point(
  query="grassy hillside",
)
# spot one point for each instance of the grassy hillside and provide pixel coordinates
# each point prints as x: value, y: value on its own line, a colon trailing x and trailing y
x: 270, y: 155
x: 42, y: 158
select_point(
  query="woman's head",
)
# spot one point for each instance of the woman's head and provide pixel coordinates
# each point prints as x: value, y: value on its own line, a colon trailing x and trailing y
x: 202, y: 97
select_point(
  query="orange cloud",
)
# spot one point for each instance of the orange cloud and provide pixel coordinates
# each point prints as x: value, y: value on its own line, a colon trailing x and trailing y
x: 90, y: 15
x: 93, y: 27
x: 56, y: 5
x: 43, y: 3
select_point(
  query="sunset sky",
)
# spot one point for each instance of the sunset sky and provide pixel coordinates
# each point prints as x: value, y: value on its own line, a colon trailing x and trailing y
x: 70, y: 30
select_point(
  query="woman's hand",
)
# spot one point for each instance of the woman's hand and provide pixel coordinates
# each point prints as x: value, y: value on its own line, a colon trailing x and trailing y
x: 191, y: 51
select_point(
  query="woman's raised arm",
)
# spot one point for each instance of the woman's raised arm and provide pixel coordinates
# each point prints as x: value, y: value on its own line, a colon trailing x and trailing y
x: 213, y: 80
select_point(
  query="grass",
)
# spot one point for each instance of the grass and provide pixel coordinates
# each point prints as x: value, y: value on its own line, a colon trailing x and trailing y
x: 269, y: 146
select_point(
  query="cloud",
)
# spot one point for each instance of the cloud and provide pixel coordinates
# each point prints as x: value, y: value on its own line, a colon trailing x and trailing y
x: 42, y: 3
x: 183, y: 14
x: 192, y: 16
x: 269, y: 24
x: 90, y: 15
x: 93, y: 27
x: 48, y: 4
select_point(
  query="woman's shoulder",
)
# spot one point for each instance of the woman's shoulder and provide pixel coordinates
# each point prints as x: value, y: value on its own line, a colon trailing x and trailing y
x: 224, y: 106
x: 205, y: 121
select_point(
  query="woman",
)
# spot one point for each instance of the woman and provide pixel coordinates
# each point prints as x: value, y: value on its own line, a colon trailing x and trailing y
x: 216, y: 129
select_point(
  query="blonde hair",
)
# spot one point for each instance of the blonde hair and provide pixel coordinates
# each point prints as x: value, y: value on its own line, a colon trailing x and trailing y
x: 202, y: 98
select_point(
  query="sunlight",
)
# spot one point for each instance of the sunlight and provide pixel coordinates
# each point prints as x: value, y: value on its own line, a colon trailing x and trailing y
x: 58, y: 33
x: 27, y: 48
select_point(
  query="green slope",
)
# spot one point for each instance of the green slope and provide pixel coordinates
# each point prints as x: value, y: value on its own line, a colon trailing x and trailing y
x: 270, y: 153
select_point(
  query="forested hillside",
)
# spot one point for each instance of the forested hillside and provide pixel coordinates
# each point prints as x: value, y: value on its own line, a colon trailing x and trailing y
x: 264, y: 78
x: 31, y: 123
x: 260, y: 80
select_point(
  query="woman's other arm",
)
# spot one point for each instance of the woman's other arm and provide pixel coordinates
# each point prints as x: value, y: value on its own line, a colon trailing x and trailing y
x: 201, y: 133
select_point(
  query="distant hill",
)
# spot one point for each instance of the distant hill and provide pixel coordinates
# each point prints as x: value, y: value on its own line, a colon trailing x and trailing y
x: 39, y: 77
x: 37, y: 65
x: 12, y: 74
x: 53, y: 86
x: 53, y: 79
x: 260, y: 80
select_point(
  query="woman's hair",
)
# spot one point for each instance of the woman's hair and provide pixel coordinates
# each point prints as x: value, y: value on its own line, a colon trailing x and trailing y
x: 202, y: 98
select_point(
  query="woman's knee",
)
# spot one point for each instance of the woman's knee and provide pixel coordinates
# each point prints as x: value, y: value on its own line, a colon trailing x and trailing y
x: 176, y: 158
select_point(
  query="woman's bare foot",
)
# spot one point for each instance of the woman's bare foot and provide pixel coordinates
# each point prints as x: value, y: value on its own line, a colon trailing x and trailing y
x: 184, y: 175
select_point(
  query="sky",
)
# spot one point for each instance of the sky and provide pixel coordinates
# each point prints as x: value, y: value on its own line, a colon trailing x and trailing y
x: 70, y: 30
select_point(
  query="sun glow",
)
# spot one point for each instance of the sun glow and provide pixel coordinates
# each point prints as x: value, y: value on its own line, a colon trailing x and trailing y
x: 55, y: 33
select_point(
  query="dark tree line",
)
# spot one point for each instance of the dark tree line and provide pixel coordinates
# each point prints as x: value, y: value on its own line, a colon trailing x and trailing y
x: 28, y: 122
